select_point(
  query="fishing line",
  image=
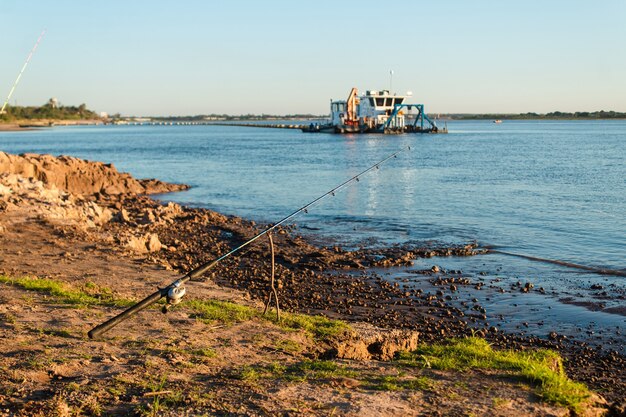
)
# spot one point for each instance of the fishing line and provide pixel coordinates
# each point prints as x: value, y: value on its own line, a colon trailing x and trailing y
x: 304, y: 209
x: 174, y: 292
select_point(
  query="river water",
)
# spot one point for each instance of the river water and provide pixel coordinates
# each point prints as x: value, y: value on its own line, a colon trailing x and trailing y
x: 549, y: 189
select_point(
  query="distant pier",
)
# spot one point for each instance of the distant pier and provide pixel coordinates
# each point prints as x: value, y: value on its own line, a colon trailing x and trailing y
x: 208, y: 123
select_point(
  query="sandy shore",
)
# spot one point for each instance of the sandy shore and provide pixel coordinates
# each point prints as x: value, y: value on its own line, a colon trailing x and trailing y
x: 90, y: 228
x: 11, y: 127
x: 24, y: 125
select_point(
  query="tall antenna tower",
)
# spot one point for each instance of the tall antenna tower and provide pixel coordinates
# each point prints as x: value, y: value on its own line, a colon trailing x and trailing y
x: 17, y: 80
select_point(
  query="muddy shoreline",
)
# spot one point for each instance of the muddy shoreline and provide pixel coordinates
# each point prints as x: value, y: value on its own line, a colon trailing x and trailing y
x: 324, y: 280
x: 339, y: 284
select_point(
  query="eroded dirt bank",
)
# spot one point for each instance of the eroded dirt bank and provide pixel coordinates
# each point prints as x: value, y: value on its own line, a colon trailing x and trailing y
x: 79, y: 176
x: 114, y: 241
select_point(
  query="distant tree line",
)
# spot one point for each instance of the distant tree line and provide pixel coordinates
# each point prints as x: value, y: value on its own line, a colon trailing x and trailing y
x: 583, y: 115
x: 54, y: 111
x: 51, y: 110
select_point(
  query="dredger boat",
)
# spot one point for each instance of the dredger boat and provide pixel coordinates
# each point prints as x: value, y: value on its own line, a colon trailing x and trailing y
x: 376, y: 112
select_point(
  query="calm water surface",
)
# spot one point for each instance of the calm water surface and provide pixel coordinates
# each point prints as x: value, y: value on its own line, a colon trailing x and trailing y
x: 554, y: 189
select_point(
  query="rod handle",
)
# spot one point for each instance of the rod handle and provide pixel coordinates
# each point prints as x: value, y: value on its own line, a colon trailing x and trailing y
x: 107, y: 325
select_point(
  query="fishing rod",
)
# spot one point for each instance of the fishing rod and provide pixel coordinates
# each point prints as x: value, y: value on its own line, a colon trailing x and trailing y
x: 174, y: 292
x: 17, y: 80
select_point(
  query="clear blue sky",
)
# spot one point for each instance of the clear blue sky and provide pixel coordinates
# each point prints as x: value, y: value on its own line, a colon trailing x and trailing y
x: 197, y: 57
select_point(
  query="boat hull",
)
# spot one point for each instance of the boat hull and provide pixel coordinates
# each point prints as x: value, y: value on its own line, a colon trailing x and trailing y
x: 349, y: 130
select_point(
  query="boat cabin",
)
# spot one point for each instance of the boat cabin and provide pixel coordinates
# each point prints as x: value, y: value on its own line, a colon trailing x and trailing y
x: 372, y: 110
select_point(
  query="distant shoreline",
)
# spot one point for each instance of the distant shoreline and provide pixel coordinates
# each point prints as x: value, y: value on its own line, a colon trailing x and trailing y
x: 33, y: 124
x: 11, y: 127
x: 24, y: 125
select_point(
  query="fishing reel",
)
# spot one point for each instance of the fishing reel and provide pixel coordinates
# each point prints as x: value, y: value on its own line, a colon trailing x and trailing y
x: 175, y: 293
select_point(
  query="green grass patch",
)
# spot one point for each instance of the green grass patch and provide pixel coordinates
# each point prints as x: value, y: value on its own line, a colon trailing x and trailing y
x: 251, y: 373
x: 57, y: 332
x: 320, y: 370
x: 289, y: 346
x: 204, y: 352
x: 90, y: 294
x: 541, y: 367
x: 37, y: 361
x: 319, y: 326
x: 210, y: 311
x: 160, y: 402
x: 306, y: 370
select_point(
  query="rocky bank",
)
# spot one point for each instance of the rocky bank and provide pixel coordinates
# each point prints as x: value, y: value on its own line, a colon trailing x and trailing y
x: 79, y: 176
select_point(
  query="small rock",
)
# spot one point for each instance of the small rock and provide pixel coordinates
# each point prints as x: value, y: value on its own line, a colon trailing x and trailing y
x: 345, y: 382
x: 153, y: 244
x: 4, y: 190
x: 122, y: 216
x: 137, y: 244
x: 148, y: 217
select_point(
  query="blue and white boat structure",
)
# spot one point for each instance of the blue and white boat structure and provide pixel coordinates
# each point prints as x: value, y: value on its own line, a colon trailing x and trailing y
x: 376, y: 112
